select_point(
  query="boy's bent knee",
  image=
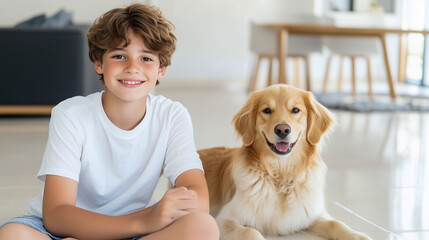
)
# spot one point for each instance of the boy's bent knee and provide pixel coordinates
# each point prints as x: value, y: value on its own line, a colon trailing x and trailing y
x: 200, y: 225
x: 18, y: 231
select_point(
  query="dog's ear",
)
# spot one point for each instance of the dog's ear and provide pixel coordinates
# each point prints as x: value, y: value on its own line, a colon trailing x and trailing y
x: 245, y: 120
x: 319, y: 119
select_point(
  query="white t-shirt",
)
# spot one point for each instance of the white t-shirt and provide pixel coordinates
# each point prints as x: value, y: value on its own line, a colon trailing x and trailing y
x: 116, y: 170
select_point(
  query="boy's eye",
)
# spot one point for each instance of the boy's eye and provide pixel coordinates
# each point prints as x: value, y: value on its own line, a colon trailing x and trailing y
x: 146, y: 59
x: 118, y: 57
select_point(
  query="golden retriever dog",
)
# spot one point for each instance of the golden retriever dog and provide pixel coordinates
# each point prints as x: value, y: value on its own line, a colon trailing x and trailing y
x: 274, y: 184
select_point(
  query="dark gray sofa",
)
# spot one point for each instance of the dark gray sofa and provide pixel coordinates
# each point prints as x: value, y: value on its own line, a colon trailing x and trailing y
x: 43, y: 66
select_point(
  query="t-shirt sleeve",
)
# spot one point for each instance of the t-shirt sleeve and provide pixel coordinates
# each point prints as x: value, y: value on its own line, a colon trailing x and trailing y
x: 181, y: 154
x: 63, y: 149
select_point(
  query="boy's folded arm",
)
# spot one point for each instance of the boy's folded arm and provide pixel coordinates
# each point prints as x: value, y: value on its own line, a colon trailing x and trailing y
x: 61, y: 217
x: 195, y: 180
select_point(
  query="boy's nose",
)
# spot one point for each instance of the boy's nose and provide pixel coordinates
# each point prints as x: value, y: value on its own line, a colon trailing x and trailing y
x: 132, y: 67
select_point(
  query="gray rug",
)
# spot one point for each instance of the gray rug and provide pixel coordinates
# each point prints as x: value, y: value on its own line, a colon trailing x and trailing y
x: 379, y: 103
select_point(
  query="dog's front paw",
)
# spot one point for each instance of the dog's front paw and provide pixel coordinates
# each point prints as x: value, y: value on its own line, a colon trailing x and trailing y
x: 359, y: 236
x: 245, y: 233
x: 230, y: 230
x: 335, y: 230
x: 253, y: 234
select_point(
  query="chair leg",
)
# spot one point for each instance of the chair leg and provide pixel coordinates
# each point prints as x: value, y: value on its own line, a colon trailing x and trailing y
x: 340, y: 74
x: 325, y: 80
x: 387, y: 66
x: 307, y: 72
x: 270, y: 71
x: 254, y: 76
x: 368, y: 63
x: 297, y: 78
x: 353, y: 58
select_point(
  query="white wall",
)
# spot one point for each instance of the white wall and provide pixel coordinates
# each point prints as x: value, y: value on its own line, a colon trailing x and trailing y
x: 212, y: 35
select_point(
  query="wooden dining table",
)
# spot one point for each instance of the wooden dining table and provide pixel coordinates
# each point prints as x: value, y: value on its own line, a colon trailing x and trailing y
x: 285, y: 29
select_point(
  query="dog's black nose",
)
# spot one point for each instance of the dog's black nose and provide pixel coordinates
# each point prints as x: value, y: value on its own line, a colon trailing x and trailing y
x: 282, y: 130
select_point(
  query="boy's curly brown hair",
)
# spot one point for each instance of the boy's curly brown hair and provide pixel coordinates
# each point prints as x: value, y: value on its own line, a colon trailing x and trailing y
x: 110, y: 30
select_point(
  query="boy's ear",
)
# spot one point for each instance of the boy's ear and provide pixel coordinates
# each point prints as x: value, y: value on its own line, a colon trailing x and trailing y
x: 161, y: 72
x: 98, y: 67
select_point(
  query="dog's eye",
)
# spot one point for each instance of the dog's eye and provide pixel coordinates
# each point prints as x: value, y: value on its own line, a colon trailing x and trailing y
x: 295, y: 110
x: 267, y: 110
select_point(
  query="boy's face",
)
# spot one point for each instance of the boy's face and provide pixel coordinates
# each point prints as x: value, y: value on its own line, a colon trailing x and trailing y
x: 130, y: 73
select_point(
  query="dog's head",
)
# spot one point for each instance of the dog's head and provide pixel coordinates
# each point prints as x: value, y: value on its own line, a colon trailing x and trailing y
x: 278, y: 118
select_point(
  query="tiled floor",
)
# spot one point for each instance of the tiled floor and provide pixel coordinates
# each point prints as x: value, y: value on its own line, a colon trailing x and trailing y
x: 378, y: 178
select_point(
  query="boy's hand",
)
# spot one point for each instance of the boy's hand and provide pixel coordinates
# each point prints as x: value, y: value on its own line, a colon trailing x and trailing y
x: 175, y: 204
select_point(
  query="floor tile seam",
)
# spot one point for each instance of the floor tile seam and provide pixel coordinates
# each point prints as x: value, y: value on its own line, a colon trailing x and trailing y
x: 420, y: 187
x: 375, y: 189
x: 411, y: 231
x: 366, y: 220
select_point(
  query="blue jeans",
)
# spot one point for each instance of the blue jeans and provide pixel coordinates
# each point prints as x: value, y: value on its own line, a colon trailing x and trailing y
x: 37, y: 223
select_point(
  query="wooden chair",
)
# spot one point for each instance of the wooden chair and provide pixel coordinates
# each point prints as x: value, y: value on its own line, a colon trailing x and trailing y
x: 353, y: 48
x: 263, y: 43
x: 271, y: 58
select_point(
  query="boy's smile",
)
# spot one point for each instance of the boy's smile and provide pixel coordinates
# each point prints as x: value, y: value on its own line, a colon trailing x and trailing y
x: 130, y: 73
x: 130, y: 83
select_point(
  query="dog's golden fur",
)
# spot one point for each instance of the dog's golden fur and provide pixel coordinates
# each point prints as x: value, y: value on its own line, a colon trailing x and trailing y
x: 273, y: 184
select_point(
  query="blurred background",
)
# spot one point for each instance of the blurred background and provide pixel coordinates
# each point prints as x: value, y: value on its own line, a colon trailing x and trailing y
x: 213, y: 36
x: 377, y: 156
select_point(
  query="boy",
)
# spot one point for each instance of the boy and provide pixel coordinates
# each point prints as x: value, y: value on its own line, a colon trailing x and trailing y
x: 106, y: 151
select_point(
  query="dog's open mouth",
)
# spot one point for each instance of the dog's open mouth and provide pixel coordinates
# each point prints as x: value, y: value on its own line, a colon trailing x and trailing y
x: 281, y: 148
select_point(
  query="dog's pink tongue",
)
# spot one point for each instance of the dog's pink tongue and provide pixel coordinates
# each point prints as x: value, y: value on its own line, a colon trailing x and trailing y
x: 282, y: 146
